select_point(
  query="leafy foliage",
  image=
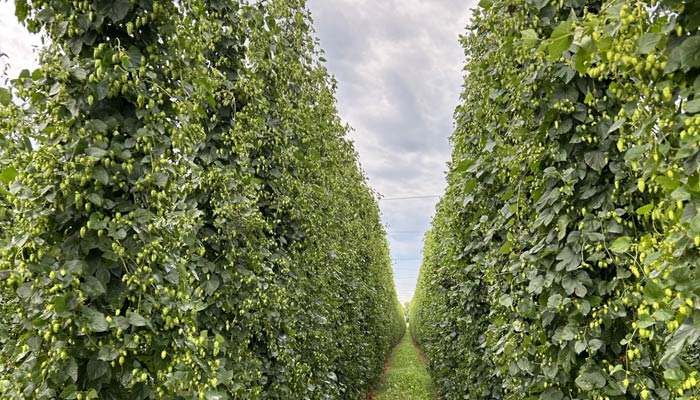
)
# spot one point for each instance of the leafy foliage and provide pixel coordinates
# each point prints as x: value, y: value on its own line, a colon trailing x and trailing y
x: 181, y: 214
x: 563, y: 258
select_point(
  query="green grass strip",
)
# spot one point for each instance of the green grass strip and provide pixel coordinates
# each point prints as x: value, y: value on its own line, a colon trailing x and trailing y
x: 406, y: 376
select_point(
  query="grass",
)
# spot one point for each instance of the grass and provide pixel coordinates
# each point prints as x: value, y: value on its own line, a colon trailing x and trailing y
x: 406, y: 377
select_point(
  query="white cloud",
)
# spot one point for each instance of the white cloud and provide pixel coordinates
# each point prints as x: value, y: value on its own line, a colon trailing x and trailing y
x: 16, y: 42
x: 399, y: 69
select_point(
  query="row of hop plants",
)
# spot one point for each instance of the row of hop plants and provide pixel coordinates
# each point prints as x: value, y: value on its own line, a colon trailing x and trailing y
x: 562, y: 262
x: 181, y: 213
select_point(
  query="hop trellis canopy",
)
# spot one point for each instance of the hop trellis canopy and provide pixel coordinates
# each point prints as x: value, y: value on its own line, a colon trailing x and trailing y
x: 181, y: 214
x: 563, y: 259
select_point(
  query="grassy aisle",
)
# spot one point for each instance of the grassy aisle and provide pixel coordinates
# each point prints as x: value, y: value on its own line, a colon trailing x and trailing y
x: 406, y: 377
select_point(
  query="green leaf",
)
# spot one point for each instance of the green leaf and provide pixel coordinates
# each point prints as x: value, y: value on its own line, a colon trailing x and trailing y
x: 681, y: 193
x: 648, y: 42
x: 604, y: 43
x: 98, y: 125
x: 97, y: 223
x: 554, y: 300
x: 644, y: 210
x: 564, y: 333
x: 572, y: 285
x: 636, y: 152
x: 617, y: 125
x: 75, y: 266
x: 690, y: 52
x: 68, y: 391
x: 552, y: 394
x: 674, y: 376
x: 529, y: 37
x: 136, y: 319
x: 562, y: 224
x: 595, y: 160
x: 695, y: 224
x: 116, y: 10
x: 686, y: 151
x: 662, y: 315
x: 211, y: 100
x: 692, y: 107
x: 687, y: 333
x: 96, y: 369
x: 72, y: 369
x: 539, y: 4
x: 505, y: 301
x: 160, y: 179
x: 211, y: 285
x: 25, y: 291
x: 674, y: 60
x: 8, y: 175
x: 95, y: 320
x: 590, y: 380
x: 101, y: 175
x: 669, y: 184
x: 464, y: 165
x: 506, y: 248
x: 595, y: 344
x: 63, y: 303
x: 119, y: 234
x: 108, y: 353
x: 569, y: 260
x: 93, y: 287
x: 645, y: 321
x: 79, y: 73
x: 95, y: 198
x: 561, y: 39
x: 75, y: 45
x: 582, y: 58
x: 535, y: 285
x: 95, y: 152
x: 5, y: 97
x: 621, y: 244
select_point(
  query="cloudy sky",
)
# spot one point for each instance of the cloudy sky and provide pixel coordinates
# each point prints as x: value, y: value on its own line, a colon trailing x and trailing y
x: 398, y: 64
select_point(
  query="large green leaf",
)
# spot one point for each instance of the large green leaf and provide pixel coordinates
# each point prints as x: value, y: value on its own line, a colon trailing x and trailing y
x: 115, y: 10
x: 95, y: 152
x: 693, y: 106
x: 596, y: 160
x: 648, y: 42
x: 136, y: 319
x: 529, y: 37
x: 687, y: 334
x: 8, y: 175
x: 590, y: 380
x: 95, y: 320
x: 690, y: 52
x: 621, y: 244
x: 561, y: 39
